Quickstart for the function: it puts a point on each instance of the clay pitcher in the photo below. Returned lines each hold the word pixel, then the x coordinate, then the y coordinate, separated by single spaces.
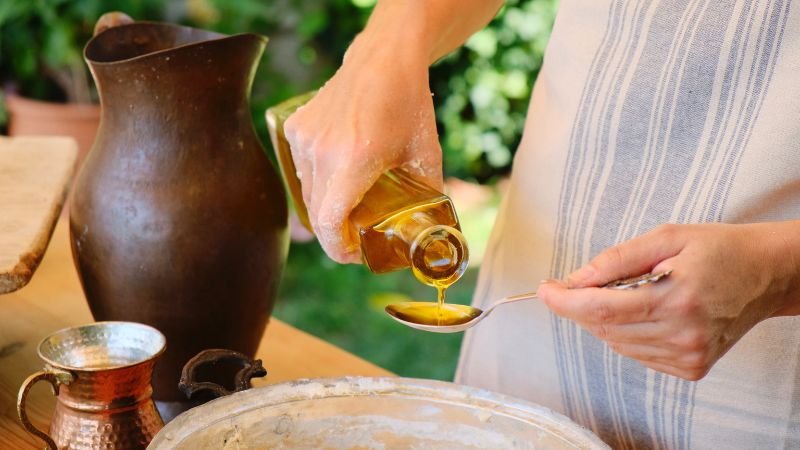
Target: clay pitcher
pixel 178 219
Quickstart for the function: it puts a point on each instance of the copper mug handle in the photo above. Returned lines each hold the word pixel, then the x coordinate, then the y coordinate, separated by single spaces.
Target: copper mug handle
pixel 251 368
pixel 56 378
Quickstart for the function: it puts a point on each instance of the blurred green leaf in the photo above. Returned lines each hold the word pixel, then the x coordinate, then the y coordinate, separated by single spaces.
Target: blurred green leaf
pixel 56 48
pixel 313 23
pixel 483 43
pixel 380 300
pixel 41 43
pixel 495 72
pixel 13 10
pixel 364 3
pixel 3 111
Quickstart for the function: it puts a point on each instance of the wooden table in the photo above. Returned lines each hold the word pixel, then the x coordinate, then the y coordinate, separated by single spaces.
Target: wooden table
pixel 54 300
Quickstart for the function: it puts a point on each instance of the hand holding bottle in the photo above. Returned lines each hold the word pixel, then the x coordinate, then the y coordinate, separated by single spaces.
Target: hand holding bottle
pixel 376 113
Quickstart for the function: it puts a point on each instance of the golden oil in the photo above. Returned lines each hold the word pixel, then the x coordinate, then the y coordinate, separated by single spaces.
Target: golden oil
pixel 400 221
pixel 432 313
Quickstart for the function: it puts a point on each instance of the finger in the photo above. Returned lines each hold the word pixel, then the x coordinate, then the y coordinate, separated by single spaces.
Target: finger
pixel 342 193
pixel 688 365
pixel 304 174
pixel 640 333
pixel 668 265
pixel 645 352
pixel 672 370
pixel 630 258
pixel 301 157
pixel 330 177
pixel 598 305
pixel 680 371
pixel 654 357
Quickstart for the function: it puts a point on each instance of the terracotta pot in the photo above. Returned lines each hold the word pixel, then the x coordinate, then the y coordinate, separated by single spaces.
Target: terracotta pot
pixel 34 117
pixel 178 218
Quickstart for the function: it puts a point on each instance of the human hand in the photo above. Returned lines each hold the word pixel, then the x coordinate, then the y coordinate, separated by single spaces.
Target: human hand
pixel 725 279
pixel 373 115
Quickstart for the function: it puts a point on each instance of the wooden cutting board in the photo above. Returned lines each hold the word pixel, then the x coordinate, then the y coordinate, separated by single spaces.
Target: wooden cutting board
pixel 35 175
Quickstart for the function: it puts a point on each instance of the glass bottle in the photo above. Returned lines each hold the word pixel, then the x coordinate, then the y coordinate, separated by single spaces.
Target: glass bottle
pixel 401 222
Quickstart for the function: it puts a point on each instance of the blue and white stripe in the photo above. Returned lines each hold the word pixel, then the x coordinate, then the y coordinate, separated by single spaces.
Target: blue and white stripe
pixel 666 112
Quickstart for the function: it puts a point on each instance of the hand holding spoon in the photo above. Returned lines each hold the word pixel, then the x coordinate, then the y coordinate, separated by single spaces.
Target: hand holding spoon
pixel 461 317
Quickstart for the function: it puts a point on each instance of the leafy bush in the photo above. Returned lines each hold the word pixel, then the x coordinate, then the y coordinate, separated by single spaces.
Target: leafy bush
pixel 481 91
pixel 41 44
pixel 484 89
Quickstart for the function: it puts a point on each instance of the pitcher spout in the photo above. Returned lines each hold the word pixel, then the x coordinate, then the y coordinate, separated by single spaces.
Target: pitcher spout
pixel 143 39
pixel 152 60
pixel 148 71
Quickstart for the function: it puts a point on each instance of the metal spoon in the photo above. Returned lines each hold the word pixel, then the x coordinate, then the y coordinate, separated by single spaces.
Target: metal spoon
pixel 474 315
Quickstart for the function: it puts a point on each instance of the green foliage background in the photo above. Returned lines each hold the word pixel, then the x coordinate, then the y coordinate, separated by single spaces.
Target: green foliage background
pixel 42 38
pixel 481 93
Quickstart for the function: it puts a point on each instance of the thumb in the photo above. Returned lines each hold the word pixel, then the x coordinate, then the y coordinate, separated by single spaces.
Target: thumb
pixel 630 258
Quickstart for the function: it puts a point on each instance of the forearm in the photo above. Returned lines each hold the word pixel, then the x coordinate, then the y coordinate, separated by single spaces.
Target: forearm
pixel 428 28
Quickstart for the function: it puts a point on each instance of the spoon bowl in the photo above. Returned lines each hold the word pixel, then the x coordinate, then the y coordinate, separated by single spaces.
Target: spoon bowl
pixel 429 313
pixel 426 316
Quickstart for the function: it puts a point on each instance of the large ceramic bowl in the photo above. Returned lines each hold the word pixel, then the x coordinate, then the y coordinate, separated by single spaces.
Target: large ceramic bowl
pixel 372 413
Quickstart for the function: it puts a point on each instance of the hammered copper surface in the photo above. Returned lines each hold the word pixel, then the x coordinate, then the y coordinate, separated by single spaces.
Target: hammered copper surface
pixel 105 401
pixel 178 218
pixel 123 429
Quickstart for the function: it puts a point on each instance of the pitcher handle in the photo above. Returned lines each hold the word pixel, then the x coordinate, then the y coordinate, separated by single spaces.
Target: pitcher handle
pixel 110 20
pixel 251 368
pixel 56 378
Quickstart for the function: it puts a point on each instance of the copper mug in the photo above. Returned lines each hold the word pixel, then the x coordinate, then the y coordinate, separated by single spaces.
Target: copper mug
pixel 101 375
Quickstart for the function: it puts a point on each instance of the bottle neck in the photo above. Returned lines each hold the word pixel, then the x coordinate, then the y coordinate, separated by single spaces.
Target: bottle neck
pixel 437 253
pixel 408 229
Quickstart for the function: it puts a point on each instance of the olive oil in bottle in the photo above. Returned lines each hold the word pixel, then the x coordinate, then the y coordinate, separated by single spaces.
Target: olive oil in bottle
pixel 400 221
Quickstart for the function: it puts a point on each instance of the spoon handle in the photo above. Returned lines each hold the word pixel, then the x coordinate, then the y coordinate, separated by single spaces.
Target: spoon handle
pixel 519 297
pixel 505 300
pixel 627 283
pixel 632 283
